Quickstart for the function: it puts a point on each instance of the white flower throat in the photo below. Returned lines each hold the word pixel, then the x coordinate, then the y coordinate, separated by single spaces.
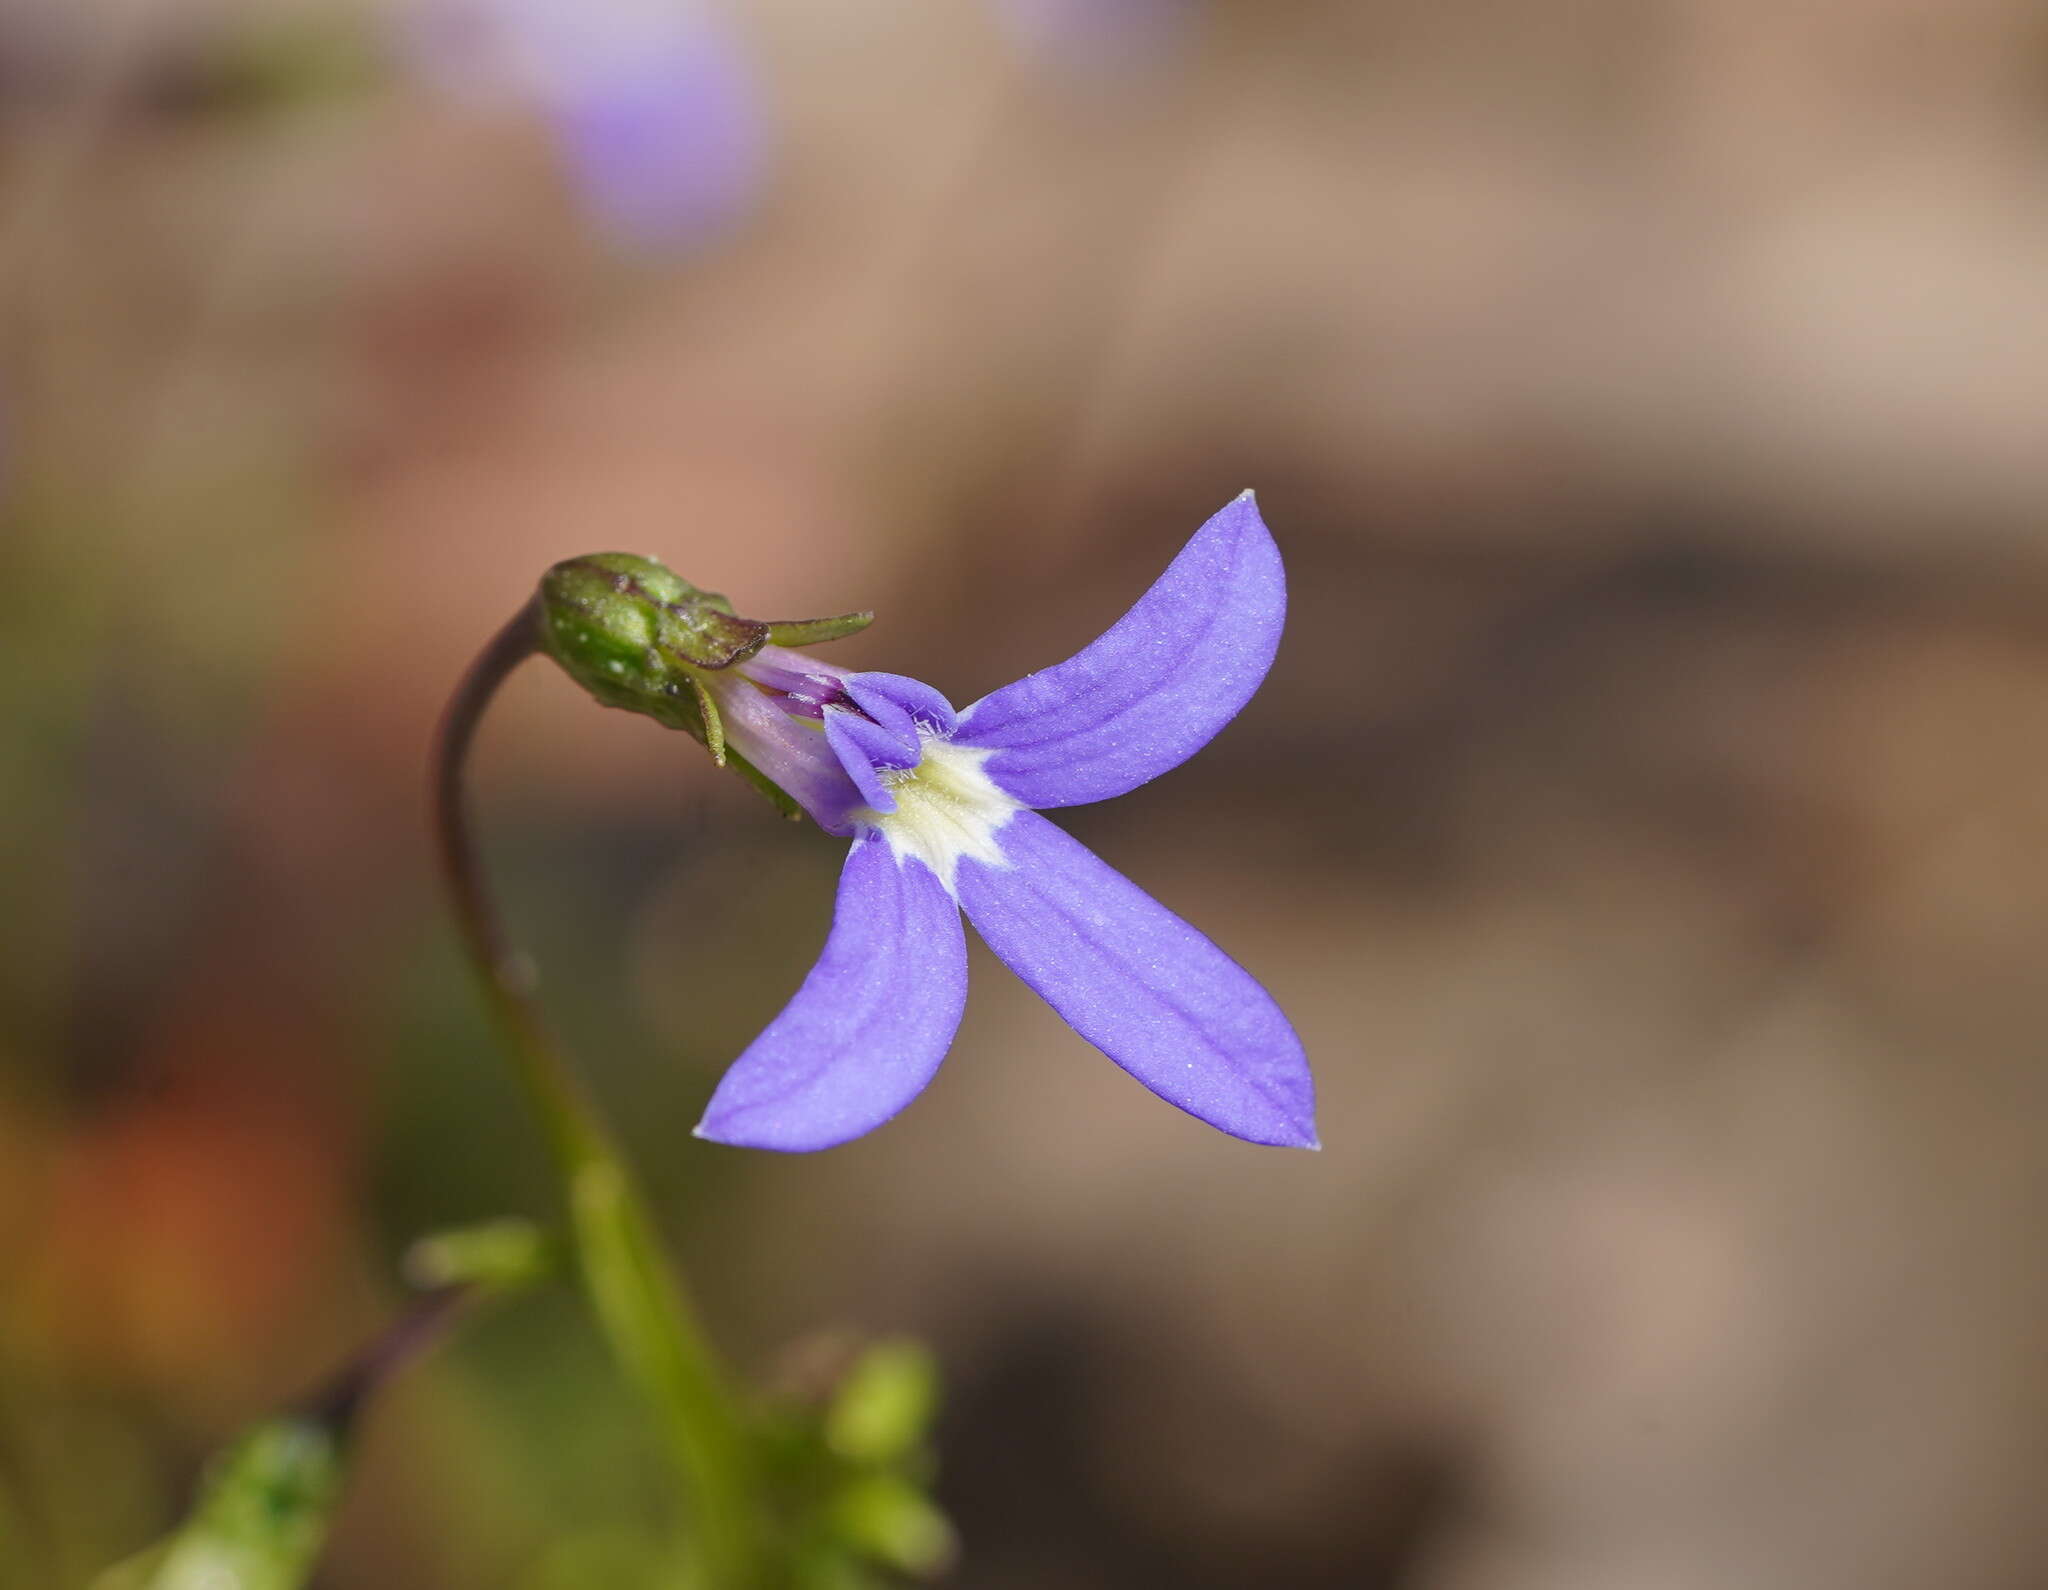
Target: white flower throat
pixel 946 808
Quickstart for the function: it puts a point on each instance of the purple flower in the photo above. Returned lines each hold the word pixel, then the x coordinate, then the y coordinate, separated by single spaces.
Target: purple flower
pixel 1096 36
pixel 941 807
pixel 653 107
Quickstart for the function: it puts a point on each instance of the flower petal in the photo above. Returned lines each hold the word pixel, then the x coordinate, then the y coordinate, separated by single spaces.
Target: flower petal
pixel 880 695
pixel 792 753
pixel 1156 687
pixel 1140 984
pixel 655 107
pixel 870 1024
pixel 864 747
pixel 668 151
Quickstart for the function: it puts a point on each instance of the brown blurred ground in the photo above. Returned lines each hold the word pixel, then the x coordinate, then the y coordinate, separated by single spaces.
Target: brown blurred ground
pixel 1644 823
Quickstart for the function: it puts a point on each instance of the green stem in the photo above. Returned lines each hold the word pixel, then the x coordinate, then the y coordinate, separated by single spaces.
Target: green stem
pixel 639 1301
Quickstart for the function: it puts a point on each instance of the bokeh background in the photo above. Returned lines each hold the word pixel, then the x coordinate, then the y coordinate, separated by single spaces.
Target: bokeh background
pixel 1644 822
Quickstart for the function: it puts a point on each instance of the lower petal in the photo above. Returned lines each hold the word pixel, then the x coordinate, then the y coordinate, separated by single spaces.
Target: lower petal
pixel 1140 984
pixel 868 1028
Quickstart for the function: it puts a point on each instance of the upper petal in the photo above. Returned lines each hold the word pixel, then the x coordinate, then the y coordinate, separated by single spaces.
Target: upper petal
pixel 1140 984
pixel 864 748
pixel 869 1026
pixel 880 695
pixel 1156 687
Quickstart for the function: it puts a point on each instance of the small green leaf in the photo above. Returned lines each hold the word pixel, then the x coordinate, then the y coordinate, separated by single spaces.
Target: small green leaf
pixel 260 1520
pixel 495 1256
pixel 264 1505
pixel 886 1517
pixel 883 1409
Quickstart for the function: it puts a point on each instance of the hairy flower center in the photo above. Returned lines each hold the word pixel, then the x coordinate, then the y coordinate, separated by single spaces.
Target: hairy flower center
pixel 946 808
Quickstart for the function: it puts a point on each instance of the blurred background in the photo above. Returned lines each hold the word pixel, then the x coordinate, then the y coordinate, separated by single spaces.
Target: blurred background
pixel 1643 824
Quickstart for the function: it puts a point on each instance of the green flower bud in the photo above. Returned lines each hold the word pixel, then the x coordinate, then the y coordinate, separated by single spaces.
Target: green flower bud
pixel 639 637
pixel 627 629
pixel 882 1412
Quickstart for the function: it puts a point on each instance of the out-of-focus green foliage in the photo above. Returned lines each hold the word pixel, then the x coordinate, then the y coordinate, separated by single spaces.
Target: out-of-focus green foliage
pixel 260 1520
pixel 497 1255
pixel 661 1349
pixel 854 1474
pixel 265 1505
pixel 883 1410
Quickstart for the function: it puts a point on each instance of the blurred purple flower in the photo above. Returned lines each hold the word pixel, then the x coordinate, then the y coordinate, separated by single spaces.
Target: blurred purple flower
pixel 1109 36
pixel 653 106
pixel 940 808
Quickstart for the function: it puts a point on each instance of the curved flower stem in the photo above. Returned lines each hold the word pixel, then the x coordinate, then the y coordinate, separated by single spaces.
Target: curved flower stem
pixel 640 1304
